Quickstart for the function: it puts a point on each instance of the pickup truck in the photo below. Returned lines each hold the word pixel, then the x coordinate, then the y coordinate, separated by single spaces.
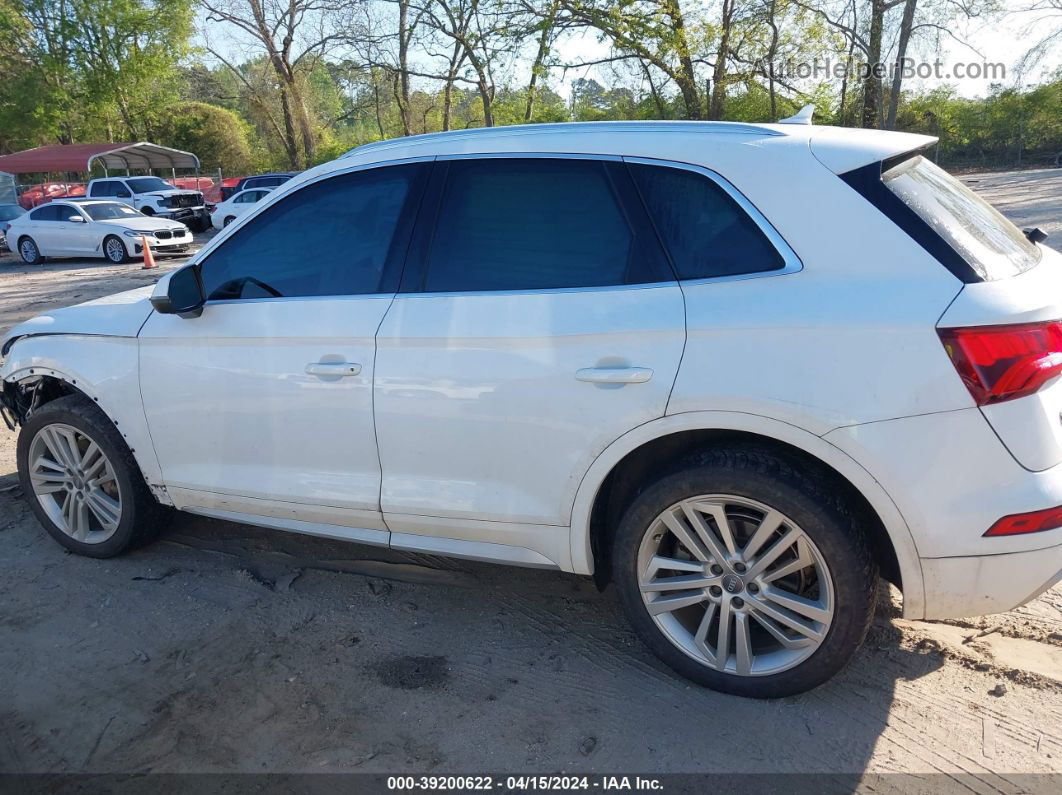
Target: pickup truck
pixel 154 196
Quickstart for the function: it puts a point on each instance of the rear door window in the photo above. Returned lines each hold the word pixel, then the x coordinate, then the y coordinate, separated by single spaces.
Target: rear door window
pixel 705 231
pixel 103 189
pixel 979 233
pixel 49 213
pixel 537 223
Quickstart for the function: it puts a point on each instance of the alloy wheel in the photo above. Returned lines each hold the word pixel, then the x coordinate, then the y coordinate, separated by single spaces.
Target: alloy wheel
pixel 115 250
pixel 75 484
pixel 735 584
pixel 28 250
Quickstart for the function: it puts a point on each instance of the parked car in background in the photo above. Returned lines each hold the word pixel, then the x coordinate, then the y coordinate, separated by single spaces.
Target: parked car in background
pixel 32 195
pixel 88 228
pixel 738 398
pixel 154 196
pixel 8 213
pixel 232 208
pixel 258 181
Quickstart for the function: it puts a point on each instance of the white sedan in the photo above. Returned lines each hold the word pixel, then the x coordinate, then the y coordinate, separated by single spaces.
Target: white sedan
pixel 235 206
pixel 105 229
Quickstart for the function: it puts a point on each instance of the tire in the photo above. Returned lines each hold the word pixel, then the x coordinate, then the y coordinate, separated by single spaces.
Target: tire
pixel 148 211
pixel 45 438
pixel 114 250
pixel 832 582
pixel 27 249
pixel 228 221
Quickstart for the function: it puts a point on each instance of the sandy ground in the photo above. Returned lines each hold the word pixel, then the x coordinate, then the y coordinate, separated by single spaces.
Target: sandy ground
pixel 227 648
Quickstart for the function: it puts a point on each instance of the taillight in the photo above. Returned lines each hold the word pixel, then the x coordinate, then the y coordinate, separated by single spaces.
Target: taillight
pixel 1033 522
pixel 1000 363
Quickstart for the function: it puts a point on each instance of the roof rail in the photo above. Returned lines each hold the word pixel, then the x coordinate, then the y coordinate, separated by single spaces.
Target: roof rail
pixel 716 127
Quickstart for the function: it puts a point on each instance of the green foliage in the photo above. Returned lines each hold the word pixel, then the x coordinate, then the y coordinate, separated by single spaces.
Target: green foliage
pixel 1008 127
pixel 218 136
pixel 77 70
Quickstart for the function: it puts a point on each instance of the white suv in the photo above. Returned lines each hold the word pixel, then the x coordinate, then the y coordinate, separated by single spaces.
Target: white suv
pixel 154 196
pixel 736 370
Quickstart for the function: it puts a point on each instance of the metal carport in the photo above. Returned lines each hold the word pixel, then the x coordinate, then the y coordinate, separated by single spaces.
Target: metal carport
pixel 71 158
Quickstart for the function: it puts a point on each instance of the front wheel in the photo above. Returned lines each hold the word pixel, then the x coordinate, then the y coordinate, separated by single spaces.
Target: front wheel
pixel 743 573
pixel 81 480
pixel 114 250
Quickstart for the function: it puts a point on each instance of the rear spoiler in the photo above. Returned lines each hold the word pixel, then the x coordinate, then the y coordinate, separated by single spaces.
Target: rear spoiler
pixel 842 150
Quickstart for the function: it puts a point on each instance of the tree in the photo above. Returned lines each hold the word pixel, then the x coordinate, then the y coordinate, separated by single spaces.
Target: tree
pixel 219 137
pixel 476 31
pixel 651 32
pixel 83 69
pixel 292 36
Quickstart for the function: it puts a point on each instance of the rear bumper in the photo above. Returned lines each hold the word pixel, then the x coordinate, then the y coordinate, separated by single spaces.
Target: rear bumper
pixel 957 587
pixel 951 479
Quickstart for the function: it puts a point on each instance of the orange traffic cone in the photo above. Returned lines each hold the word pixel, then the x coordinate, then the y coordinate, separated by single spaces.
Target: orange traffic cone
pixel 149 258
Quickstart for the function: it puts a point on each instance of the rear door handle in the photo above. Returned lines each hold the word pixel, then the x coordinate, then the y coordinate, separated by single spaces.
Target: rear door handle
pixel 614 375
pixel 332 369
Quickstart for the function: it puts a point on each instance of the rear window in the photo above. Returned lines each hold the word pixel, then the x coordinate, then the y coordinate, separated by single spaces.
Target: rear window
pixel 991 244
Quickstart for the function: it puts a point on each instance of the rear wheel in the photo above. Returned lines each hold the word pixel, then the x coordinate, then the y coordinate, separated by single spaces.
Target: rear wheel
pixel 27 249
pixel 81 479
pixel 114 250
pixel 743 572
pixel 228 221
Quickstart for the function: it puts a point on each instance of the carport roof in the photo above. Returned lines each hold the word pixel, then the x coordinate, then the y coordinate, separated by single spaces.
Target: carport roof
pixel 59 158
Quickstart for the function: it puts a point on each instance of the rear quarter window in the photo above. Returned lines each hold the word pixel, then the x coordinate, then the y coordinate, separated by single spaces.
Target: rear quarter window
pixel 705 231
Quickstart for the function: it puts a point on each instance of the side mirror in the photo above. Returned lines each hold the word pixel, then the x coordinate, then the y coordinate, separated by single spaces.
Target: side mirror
pixel 123 194
pixel 181 293
pixel 77 219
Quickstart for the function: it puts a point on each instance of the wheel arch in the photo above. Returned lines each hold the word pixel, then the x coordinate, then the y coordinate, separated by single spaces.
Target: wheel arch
pixel 649 448
pixel 109 378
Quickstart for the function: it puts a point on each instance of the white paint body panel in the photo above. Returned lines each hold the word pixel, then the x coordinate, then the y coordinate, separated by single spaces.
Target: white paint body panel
pixel 493 448
pixel 233 411
pixel 105 369
pixel 1030 427
pixel 480 414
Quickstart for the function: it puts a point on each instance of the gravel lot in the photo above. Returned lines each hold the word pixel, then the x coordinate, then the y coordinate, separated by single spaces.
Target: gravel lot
pixel 228 648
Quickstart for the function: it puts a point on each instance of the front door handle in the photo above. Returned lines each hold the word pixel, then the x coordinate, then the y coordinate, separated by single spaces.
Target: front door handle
pixel 614 375
pixel 332 369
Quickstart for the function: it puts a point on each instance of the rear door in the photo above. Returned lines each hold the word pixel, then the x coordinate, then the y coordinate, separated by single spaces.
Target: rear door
pixel 538 322
pixel 43 227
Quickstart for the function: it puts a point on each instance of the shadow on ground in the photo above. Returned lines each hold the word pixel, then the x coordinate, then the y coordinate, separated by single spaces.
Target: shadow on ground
pixel 227 648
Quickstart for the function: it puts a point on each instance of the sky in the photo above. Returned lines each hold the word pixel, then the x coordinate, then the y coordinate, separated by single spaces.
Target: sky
pixel 995 41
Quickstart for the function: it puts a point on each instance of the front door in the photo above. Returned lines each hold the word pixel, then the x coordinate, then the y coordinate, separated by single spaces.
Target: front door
pixel 538 322
pixel 262 406
pixel 73 233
